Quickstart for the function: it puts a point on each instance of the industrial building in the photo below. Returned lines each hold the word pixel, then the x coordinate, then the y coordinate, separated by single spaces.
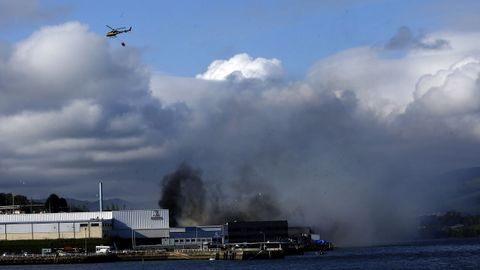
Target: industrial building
pixel 194 237
pixel 134 228
pixel 79 225
pixel 256 231
pixel 134 224
pixel 131 229
pixel 126 224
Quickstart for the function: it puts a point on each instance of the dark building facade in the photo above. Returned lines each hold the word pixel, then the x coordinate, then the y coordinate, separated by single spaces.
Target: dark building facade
pixel 194 237
pixel 256 231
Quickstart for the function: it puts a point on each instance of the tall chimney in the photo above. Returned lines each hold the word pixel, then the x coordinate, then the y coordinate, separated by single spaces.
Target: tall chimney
pixel 100 196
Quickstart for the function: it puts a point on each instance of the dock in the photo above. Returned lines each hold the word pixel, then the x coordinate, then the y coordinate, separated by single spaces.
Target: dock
pixel 252 251
pixel 232 253
pixel 70 259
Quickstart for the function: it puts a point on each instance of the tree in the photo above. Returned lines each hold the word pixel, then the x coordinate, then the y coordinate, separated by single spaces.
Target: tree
pixel 55 204
pixel 9 199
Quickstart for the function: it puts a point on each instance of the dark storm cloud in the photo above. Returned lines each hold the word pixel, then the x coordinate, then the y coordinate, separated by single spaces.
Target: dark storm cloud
pixel 79 117
pixel 401 40
pixel 405 38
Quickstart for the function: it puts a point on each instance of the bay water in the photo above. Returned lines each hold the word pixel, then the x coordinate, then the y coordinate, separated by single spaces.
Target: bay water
pixel 432 255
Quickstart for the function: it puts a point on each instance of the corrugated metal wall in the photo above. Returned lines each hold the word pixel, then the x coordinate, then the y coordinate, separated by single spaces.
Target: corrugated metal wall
pixel 134 219
pixel 42 228
pixel 19 228
pixel 54 217
pixel 144 223
pixel 140 219
pixel 157 233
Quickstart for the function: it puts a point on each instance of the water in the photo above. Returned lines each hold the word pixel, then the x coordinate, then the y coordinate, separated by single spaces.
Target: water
pixel 449 254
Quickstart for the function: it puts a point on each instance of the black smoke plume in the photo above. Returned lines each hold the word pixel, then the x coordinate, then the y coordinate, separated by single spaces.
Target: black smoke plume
pixel 192 201
pixel 183 193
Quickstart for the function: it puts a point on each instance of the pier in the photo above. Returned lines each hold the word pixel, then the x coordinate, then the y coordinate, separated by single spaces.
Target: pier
pixel 252 251
pixel 233 252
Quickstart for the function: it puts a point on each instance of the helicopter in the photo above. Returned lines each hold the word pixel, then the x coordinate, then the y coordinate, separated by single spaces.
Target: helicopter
pixel 115 31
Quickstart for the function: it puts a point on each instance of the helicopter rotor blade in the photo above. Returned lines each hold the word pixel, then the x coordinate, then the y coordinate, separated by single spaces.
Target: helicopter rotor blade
pixel 110 27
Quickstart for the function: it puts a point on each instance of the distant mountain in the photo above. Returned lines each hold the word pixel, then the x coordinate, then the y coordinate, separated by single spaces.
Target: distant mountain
pixel 108 204
pixel 459 190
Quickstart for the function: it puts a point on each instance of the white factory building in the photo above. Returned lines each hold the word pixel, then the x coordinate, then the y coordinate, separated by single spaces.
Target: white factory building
pixel 79 225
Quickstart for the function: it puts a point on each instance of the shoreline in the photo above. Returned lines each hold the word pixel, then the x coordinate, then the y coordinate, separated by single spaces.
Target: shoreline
pixel 150 255
pixel 102 258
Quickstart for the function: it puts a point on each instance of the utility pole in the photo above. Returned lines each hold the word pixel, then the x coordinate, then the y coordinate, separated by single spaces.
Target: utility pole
pixel 263 236
pixel 85 241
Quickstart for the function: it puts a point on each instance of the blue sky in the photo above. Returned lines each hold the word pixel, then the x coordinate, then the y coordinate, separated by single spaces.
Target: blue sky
pixel 183 37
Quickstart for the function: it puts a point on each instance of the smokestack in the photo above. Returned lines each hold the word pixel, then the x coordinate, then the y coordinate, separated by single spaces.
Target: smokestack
pixel 100 196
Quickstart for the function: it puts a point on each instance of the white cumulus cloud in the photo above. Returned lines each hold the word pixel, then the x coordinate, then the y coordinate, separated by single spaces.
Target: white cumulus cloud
pixel 242 66
pixel 451 91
